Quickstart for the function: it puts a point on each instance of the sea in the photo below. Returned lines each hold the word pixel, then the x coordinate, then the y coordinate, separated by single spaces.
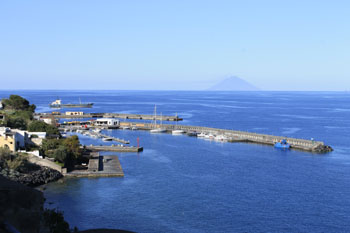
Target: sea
pixel 187 184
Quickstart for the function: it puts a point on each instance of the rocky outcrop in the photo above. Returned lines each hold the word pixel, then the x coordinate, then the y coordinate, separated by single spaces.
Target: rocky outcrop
pixel 41 176
pixel 322 149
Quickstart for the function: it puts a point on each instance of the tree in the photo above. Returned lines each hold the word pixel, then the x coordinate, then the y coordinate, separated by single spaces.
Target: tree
pixel 73 146
pixel 16 102
pixel 40 126
pixel 16 122
pixel 61 154
pixel 49 145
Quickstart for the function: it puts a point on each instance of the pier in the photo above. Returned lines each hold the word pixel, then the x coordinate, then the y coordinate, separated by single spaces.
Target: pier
pixel 100 166
pixel 241 136
pixel 109 115
pixel 113 148
pixel 232 135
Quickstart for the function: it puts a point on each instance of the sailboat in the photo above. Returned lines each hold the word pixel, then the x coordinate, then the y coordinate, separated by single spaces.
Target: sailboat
pixel 177 131
pixel 155 129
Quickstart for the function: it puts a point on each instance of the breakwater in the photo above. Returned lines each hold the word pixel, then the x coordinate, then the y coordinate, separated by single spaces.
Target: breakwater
pixel 241 136
pixel 100 166
pixel 113 148
pixel 109 115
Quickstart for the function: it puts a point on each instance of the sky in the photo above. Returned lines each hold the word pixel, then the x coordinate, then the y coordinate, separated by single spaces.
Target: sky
pixel 174 45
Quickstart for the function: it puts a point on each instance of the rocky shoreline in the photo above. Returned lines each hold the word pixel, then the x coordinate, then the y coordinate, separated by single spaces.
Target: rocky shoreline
pixel 35 178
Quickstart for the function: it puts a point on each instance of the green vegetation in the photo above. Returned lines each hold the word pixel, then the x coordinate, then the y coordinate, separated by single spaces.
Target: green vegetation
pixel 18 112
pixel 66 151
pixel 40 126
pixel 16 162
pixel 19 115
pixel 18 103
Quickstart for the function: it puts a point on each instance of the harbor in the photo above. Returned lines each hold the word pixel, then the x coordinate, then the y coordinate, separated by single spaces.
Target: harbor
pixel 82 115
pixel 224 135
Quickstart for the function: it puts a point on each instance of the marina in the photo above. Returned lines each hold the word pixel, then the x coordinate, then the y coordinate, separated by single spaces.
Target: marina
pixel 225 135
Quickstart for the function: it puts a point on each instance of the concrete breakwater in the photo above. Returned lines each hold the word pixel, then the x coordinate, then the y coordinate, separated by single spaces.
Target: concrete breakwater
pixel 241 136
pixel 109 115
pixel 113 148
pixel 100 166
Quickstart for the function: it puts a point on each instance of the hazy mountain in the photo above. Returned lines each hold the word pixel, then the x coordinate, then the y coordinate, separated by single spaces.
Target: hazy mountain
pixel 233 84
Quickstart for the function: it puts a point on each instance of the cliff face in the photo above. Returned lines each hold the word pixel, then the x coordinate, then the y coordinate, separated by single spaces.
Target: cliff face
pixel 20 206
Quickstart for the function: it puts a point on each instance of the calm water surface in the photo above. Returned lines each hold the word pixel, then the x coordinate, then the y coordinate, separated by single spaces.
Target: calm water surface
pixel 185 184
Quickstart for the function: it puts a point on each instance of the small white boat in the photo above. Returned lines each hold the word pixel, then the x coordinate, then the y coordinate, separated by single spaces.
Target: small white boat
pixel 209 136
pixel 154 125
pixel 178 131
pixel 134 128
pixel 221 138
pixel 201 135
pixel 158 130
pixel 126 127
pixel 107 139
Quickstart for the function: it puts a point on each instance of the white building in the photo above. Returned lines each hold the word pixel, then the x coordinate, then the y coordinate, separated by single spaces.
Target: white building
pixel 39 134
pixel 107 122
pixel 16 139
pixel 1 106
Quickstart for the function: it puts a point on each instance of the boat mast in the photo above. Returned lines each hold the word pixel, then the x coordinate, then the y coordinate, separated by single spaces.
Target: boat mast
pixel 155 116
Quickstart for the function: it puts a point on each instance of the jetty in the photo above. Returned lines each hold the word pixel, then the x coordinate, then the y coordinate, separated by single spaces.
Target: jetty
pixel 235 136
pixel 113 148
pixel 100 166
pixel 241 136
pixel 59 115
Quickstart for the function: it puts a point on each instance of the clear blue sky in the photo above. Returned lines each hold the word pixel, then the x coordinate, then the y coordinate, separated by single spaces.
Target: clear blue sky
pixel 139 44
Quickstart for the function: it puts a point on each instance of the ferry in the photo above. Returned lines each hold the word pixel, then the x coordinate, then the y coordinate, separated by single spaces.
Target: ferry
pixel 282 144
pixel 58 104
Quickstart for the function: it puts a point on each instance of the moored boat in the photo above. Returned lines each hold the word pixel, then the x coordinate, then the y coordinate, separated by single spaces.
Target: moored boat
pixel 178 131
pixel 283 144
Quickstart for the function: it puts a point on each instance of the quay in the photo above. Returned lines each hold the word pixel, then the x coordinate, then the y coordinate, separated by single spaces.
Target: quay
pixel 113 148
pixel 59 115
pixel 241 136
pixel 100 166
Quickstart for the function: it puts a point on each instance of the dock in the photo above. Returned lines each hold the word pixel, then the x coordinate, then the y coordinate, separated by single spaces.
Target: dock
pixel 109 115
pixel 241 136
pixel 113 148
pixel 100 166
pixel 237 136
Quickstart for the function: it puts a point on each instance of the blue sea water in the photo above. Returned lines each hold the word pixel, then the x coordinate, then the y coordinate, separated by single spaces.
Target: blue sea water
pixel 186 184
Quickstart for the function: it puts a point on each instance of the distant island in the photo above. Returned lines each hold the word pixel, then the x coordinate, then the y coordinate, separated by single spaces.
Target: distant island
pixel 234 83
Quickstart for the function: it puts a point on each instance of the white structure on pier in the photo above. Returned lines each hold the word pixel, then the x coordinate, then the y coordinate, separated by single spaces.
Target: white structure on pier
pixel 107 122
